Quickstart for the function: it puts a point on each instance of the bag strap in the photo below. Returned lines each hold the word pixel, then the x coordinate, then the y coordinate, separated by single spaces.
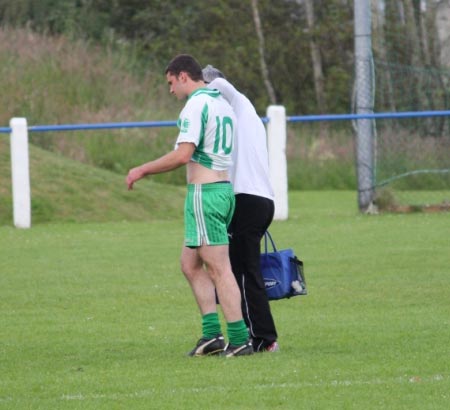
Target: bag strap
pixel 268 235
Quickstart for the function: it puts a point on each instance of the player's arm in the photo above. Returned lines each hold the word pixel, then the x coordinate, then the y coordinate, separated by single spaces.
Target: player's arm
pixel 168 162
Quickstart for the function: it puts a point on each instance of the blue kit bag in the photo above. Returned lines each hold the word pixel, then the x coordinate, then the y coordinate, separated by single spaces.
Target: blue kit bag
pixel 282 272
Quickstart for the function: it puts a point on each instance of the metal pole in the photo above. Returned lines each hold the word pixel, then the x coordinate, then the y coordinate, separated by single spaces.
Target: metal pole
pixel 364 104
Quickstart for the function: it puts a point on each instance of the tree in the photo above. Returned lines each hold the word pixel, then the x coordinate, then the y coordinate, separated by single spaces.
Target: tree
pixel 262 59
pixel 316 58
pixel 379 46
pixel 275 65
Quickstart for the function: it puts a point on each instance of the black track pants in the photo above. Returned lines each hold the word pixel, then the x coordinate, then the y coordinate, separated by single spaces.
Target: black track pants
pixel 252 216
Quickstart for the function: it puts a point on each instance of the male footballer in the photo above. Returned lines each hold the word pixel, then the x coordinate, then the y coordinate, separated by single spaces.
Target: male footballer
pixel 204 145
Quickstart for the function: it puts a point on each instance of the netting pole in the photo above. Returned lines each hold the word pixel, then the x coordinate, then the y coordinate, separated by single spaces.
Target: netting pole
pixel 20 173
pixel 364 104
pixel 276 145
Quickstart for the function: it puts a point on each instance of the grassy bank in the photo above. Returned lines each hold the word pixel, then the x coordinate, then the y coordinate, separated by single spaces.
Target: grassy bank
pixel 64 190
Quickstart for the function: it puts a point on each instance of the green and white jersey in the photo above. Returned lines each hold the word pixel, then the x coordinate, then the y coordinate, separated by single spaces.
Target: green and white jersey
pixel 208 122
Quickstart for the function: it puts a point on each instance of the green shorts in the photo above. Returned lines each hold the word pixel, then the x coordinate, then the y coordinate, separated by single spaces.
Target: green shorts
pixel 208 210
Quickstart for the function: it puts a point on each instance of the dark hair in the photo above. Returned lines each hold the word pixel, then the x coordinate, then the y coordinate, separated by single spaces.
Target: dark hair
pixel 186 63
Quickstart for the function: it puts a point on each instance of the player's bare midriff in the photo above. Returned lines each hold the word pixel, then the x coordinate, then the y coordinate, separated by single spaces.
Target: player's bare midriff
pixel 198 174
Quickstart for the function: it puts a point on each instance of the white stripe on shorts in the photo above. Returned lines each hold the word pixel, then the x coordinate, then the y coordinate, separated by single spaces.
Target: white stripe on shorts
pixel 199 217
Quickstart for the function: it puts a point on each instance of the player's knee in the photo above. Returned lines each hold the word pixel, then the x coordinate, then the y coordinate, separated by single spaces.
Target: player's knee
pixel 187 269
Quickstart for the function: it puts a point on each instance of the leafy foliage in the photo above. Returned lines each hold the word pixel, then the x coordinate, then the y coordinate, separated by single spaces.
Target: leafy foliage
pixel 217 32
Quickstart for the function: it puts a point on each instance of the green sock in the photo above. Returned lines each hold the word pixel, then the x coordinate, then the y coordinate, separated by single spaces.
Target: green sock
pixel 237 332
pixel 210 325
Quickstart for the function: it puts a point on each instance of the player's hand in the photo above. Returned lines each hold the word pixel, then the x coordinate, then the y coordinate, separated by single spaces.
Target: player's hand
pixel 133 175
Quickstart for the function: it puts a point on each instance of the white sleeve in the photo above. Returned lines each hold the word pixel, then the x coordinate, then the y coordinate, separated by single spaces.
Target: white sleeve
pixel 228 91
pixel 189 123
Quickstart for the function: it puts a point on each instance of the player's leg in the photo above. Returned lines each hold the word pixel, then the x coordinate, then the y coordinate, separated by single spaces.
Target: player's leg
pixel 191 263
pixel 212 341
pixel 215 205
pixel 216 258
pixel 199 280
pixel 219 270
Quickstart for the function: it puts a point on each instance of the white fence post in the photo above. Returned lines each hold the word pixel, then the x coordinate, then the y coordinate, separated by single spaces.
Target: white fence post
pixel 276 144
pixel 20 173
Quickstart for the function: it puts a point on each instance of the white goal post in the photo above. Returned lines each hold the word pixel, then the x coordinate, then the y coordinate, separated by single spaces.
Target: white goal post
pixel 20 173
pixel 276 144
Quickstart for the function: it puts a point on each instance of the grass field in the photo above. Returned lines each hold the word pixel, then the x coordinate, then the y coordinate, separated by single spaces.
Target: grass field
pixel 98 316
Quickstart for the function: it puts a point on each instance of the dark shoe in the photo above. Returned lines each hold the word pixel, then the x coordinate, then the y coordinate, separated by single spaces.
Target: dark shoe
pixel 209 347
pixel 274 347
pixel 243 350
pixel 263 345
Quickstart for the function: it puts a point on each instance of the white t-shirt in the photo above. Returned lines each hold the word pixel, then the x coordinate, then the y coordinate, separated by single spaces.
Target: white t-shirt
pixel 250 170
pixel 209 122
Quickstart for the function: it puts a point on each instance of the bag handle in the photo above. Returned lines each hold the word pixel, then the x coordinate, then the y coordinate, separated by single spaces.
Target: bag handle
pixel 268 235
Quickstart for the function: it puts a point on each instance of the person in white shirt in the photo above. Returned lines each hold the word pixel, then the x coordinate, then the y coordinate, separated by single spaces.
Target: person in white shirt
pixel 253 213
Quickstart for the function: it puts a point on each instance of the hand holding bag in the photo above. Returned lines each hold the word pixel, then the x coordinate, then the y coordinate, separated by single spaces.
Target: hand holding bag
pixel 282 272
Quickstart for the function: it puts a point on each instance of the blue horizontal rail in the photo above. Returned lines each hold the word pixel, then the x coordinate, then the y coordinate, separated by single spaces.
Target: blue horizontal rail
pixel 368 116
pixel 106 125
pixel 297 118
pixel 74 127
